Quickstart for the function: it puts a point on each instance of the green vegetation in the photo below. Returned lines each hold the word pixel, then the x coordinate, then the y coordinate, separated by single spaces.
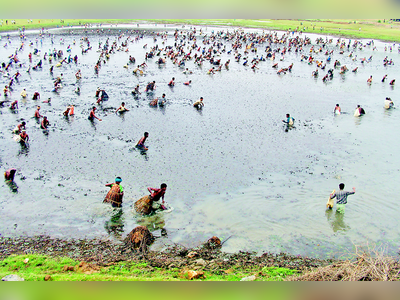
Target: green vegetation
pixel 55 23
pixel 369 29
pixel 35 267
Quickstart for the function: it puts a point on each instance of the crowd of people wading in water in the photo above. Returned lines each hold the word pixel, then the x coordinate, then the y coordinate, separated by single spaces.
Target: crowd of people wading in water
pixel 253 51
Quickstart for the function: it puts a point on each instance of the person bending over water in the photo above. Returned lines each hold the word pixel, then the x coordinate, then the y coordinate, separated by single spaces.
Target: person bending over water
pixel 172 82
pixel 9 174
pixel 388 103
pixel 141 142
pixel 19 128
pixel 150 86
pixel 115 194
pixel 359 111
pixel 92 115
pixel 14 105
pixel 45 123
pixel 144 204
pixel 199 104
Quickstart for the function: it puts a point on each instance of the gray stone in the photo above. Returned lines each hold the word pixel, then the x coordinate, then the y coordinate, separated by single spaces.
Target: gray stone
pixel 249 278
pixel 200 262
pixel 12 277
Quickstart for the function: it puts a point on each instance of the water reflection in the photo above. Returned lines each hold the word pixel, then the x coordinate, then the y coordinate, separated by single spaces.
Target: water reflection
pixel 115 226
pixel 357 120
pixel 153 222
pixel 93 124
pixel 336 220
pixel 24 149
pixel 69 119
pixel 13 186
pixel 121 115
pixel 200 111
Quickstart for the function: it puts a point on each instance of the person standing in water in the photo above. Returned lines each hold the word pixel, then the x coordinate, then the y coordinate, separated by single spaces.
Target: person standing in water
pixel 341 197
pixel 337 110
pixel 24 137
pixel 359 111
pixel 37 113
pixel 122 108
pixel 115 194
pixel 289 120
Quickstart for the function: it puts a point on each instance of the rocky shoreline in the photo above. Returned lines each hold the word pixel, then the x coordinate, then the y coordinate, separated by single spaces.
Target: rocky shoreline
pixel 106 252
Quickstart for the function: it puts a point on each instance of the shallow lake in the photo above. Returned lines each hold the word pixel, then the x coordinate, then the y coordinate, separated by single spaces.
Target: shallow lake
pixel 232 170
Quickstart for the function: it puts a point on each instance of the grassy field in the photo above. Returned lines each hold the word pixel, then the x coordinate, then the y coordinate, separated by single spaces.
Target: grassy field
pixel 370 29
pixel 35 267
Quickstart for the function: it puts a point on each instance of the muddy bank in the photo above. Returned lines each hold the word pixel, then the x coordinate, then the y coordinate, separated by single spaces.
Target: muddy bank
pixel 106 252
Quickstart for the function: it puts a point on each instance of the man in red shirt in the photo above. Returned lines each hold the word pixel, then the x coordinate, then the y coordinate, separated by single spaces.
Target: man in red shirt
pixel 157 194
pixel 92 116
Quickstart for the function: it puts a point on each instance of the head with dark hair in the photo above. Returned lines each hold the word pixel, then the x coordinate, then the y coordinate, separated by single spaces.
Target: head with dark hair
pixel 341 186
pixel 146 134
pixel 163 185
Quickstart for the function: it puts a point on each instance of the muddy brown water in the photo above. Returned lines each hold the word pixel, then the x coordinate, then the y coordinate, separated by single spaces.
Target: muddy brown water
pixel 231 169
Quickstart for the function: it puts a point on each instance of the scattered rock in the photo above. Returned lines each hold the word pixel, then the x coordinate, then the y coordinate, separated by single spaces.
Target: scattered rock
pixel 201 262
pixel 192 254
pixel 229 271
pixel 47 278
pixel 86 268
pixel 195 274
pixel 68 268
pixel 12 277
pixel 249 278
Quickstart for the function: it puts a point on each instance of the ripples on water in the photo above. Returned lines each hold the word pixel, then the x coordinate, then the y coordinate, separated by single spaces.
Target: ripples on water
pixel 231 169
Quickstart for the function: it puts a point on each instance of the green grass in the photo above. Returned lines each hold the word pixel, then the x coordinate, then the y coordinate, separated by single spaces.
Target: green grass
pixel 39 266
pixel 52 23
pixel 370 28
